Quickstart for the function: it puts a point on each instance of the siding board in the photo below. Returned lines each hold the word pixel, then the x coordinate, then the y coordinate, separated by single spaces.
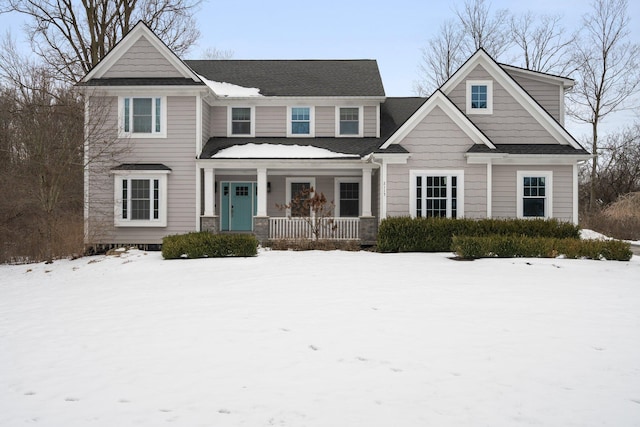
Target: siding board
pixel 142 60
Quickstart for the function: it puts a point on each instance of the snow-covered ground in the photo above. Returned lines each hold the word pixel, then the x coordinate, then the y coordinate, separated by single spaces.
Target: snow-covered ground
pixel 320 339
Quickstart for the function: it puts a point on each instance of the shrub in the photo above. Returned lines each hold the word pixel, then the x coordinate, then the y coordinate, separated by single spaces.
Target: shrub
pixel 313 245
pixel 539 247
pixel 404 234
pixel 203 244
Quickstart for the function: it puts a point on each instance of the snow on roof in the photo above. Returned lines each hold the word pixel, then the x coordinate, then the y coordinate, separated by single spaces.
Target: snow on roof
pixel 229 89
pixel 277 151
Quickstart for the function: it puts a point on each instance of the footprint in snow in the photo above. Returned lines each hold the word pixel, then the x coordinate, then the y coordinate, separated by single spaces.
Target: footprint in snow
pixel 313 347
pixel 224 411
pixel 30 393
pixel 124 401
pixel 165 410
pixel 71 399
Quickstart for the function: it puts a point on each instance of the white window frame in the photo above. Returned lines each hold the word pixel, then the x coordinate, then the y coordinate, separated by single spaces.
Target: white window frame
pixel 459 174
pixel 161 176
pixel 548 190
pixel 153 133
pixel 230 122
pixel 489 85
pixel 360 121
pixel 312 126
pixel 289 181
pixel 336 193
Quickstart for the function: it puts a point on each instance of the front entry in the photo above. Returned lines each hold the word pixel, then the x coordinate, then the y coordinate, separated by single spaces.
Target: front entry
pixel 238 206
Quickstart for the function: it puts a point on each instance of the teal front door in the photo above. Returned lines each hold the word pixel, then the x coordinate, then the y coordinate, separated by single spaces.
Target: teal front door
pixel 238 206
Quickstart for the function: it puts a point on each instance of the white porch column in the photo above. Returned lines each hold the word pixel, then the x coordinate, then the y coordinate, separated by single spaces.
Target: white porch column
pixel 262 192
pixel 366 191
pixel 209 183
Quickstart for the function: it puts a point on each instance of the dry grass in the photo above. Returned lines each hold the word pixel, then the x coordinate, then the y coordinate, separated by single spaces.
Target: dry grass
pixel 311 245
pixel 620 219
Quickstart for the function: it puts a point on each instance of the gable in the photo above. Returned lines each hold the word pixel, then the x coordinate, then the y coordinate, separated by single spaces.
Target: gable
pixel 483 65
pixel 142 59
pixel 140 55
pixel 510 122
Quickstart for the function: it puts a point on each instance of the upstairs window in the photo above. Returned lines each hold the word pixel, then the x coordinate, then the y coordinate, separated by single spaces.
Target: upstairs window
pixel 479 97
pixel 143 117
pixel 349 121
pixel 300 121
pixel 241 121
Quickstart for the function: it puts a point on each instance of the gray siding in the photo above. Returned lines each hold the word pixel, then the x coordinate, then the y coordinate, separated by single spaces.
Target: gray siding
pixel 271 121
pixel 218 121
pixel 547 94
pixel 142 60
pixel 505 190
pixel 176 151
pixel 437 143
pixel 206 122
pixel 510 123
pixel 370 121
pixel 325 121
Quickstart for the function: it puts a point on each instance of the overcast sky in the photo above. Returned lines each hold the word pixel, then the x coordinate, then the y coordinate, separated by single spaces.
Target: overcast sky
pixel 392 32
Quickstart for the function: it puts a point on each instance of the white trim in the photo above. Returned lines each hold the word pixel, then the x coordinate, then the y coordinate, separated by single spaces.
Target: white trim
pixel 525 159
pixel 548 187
pixel 519 94
pixel 161 176
pixel 230 123
pixel 539 76
pixel 439 99
pixel 292 179
pixel 138 31
pixel 489 189
pixel 576 217
pixel 378 121
pixel 153 133
pixel 312 122
pixel 489 108
pixel 198 198
pixel 360 121
pixel 198 124
pixel 561 106
pixel 458 173
pixel 209 191
pixel 262 196
pixel 336 192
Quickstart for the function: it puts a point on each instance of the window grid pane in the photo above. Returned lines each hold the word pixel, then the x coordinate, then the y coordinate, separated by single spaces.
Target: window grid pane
pixel 126 114
pixel 478 96
pixel 157 114
pixel 241 121
pixel 299 193
pixel 349 199
pixel 140 199
pixel 349 121
pixel 142 115
pixel 534 190
pixel 300 120
pixel 436 196
pixel 156 199
pixel 125 197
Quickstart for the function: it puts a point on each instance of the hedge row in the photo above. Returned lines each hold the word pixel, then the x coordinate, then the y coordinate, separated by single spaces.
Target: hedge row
pixel 539 247
pixel 404 234
pixel 206 245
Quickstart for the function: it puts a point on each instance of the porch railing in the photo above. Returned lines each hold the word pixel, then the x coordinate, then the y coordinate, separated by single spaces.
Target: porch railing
pixel 299 228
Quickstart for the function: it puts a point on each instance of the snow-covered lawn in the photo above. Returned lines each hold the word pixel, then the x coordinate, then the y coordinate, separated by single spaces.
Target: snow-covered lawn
pixel 320 339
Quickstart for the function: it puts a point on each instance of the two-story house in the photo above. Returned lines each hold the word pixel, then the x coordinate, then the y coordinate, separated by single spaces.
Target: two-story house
pixel 219 144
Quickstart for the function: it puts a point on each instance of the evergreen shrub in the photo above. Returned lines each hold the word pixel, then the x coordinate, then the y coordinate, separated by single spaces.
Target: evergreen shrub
pixel 203 244
pixel 404 234
pixel 510 246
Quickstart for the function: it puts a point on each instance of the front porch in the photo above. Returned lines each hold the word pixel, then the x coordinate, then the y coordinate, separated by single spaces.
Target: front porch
pixel 238 198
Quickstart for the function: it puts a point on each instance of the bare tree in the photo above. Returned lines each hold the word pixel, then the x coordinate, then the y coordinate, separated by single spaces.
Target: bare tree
pixel 73 36
pixel 441 58
pixel 215 53
pixel 542 41
pixel 484 29
pixel 607 71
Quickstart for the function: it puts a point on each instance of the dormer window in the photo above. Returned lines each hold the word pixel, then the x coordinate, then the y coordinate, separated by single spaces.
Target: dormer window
pixel 349 121
pixel 479 97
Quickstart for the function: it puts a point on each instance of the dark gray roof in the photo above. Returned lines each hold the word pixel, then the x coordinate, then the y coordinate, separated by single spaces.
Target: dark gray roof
pixel 144 81
pixel 141 167
pixel 296 77
pixel 527 149
pixel 393 113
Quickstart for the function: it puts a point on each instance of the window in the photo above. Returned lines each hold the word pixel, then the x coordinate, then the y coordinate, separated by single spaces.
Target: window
pixel 347 197
pixel 141 200
pixel 297 192
pixel 301 121
pixel 534 194
pixel 437 194
pixel 349 121
pixel 479 97
pixel 143 117
pixel 241 122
